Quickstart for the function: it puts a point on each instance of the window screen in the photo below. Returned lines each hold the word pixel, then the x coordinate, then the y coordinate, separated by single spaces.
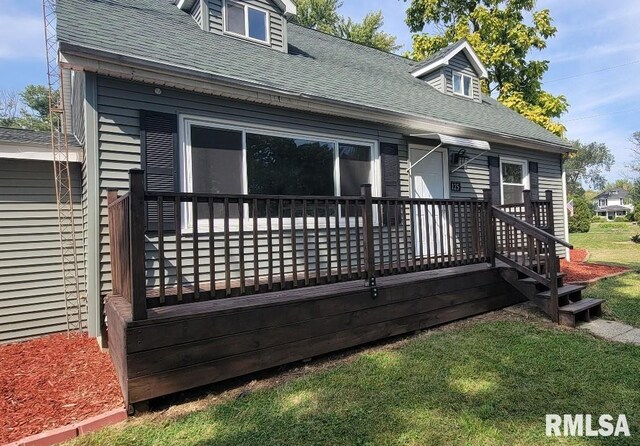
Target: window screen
pixel 235 18
pixel 355 168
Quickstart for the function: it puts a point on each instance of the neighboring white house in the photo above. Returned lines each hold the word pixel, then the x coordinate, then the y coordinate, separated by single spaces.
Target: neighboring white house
pixel 613 203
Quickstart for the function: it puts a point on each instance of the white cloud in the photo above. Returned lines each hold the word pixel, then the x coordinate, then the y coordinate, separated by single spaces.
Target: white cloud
pixel 21 37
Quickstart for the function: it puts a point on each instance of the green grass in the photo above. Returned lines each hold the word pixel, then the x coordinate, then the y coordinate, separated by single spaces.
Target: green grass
pixel 610 243
pixel 488 383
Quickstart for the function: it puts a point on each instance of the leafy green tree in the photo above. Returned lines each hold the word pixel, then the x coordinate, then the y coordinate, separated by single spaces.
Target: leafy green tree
pixel 635 140
pixel 580 221
pixel 586 166
pixel 28 109
pixel 323 15
pixel 503 33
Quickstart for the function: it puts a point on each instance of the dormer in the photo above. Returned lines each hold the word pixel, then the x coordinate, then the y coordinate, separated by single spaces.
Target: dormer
pixel 455 70
pixel 262 22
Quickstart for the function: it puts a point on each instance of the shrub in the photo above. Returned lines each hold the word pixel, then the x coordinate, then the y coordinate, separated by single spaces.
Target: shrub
pixel 630 217
pixel 597 219
pixel 635 238
pixel 581 219
pixel 620 220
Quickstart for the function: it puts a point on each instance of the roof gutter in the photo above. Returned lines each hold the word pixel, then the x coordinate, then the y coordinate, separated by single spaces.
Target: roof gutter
pixel 186 78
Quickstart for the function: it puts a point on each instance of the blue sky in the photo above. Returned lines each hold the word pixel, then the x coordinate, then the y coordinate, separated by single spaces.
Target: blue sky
pixel 593 38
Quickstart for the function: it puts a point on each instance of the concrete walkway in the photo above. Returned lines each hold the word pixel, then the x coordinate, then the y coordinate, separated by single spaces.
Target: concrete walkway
pixel 612 331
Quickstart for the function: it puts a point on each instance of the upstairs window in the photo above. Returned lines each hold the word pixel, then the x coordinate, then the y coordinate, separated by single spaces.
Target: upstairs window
pixel 247 21
pixel 462 84
pixel 602 202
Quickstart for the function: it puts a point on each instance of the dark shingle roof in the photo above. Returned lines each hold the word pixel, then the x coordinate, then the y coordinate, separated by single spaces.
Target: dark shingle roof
pixel 30 137
pixel 21 136
pixel 318 65
pixel 613 193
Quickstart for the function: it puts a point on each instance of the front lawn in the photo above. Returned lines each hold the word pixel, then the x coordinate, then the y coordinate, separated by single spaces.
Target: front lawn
pixel 610 243
pixel 482 383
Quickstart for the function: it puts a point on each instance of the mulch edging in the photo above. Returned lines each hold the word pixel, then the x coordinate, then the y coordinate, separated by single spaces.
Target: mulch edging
pixel 579 272
pixel 71 431
pixel 53 382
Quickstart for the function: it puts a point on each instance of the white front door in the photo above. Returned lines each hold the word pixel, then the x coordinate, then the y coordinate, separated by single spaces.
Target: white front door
pixel 429 177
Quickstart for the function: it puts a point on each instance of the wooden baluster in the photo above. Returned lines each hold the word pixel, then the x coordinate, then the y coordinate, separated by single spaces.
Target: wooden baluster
pixel 212 250
pixel 161 249
pixel 294 244
pixel 490 227
pixel 338 245
pixel 179 277
pixel 356 209
pixel 389 238
pixel 256 248
pixel 196 256
pixel 421 236
pixel 328 224
pixel 269 245
pixel 348 233
pixel 305 237
pixel 227 248
pixel 316 237
pixel 380 238
pixel 405 235
pixel 397 217
pixel 243 283
pixel 281 243
pixel 413 236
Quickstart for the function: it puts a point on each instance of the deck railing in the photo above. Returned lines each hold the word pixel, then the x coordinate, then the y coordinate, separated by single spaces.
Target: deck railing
pixel 169 248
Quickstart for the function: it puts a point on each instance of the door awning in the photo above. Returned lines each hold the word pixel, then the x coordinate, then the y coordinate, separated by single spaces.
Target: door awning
pixel 452 141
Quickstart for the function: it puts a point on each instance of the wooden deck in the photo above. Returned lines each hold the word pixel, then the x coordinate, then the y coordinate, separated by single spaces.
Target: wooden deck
pixel 184 346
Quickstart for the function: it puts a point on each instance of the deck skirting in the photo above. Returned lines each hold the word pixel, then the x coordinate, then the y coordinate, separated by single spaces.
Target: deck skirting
pixel 186 346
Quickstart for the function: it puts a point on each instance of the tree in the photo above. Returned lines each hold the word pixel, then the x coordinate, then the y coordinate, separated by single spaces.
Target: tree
pixel 586 165
pixel 503 33
pixel 323 16
pixel 28 109
pixel 580 221
pixel 635 140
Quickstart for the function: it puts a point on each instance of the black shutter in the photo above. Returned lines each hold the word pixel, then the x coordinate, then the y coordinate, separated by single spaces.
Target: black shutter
pixel 159 150
pixel 390 178
pixel 534 185
pixel 494 179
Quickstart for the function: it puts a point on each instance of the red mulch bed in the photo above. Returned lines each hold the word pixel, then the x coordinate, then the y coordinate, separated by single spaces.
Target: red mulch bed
pixel 53 381
pixel 577 270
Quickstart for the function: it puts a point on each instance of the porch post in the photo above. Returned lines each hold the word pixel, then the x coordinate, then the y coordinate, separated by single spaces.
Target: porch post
pixel 490 228
pixel 549 199
pixel 528 217
pixel 136 244
pixel 367 217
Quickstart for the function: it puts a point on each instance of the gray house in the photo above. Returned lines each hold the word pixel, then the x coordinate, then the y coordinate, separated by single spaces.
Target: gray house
pixel 613 203
pixel 232 160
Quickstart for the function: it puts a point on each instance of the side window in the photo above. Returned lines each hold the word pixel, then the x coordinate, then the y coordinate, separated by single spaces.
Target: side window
pixel 462 84
pixel 247 21
pixel 514 174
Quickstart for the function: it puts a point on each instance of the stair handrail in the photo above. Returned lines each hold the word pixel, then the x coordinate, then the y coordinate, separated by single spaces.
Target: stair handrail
pixel 550 239
pixel 528 228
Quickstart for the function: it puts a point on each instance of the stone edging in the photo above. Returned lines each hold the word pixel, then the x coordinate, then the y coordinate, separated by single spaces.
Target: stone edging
pixel 71 431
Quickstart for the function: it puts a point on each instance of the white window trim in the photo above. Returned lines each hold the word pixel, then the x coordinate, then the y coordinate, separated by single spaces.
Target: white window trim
pixel 185 123
pixel 246 36
pixel 462 77
pixel 525 174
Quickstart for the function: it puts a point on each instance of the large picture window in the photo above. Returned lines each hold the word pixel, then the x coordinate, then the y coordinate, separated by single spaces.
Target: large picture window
pixel 221 159
pixel 514 180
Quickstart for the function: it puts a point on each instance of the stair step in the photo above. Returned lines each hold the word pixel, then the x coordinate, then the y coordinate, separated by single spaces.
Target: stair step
pixel 532 280
pixel 562 291
pixel 581 305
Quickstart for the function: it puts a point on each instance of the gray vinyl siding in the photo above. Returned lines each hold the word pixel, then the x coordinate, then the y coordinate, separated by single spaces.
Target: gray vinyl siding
pixel 31 287
pixel 277 23
pixel 475 177
pixel 435 79
pixel 460 63
pixel 77 106
pixel 119 104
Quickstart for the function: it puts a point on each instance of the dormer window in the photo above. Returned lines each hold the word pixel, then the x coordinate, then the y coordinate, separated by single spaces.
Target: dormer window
pixel 246 21
pixel 462 84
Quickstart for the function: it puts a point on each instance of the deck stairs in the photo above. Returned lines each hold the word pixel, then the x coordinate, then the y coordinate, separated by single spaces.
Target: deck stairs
pixel 531 266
